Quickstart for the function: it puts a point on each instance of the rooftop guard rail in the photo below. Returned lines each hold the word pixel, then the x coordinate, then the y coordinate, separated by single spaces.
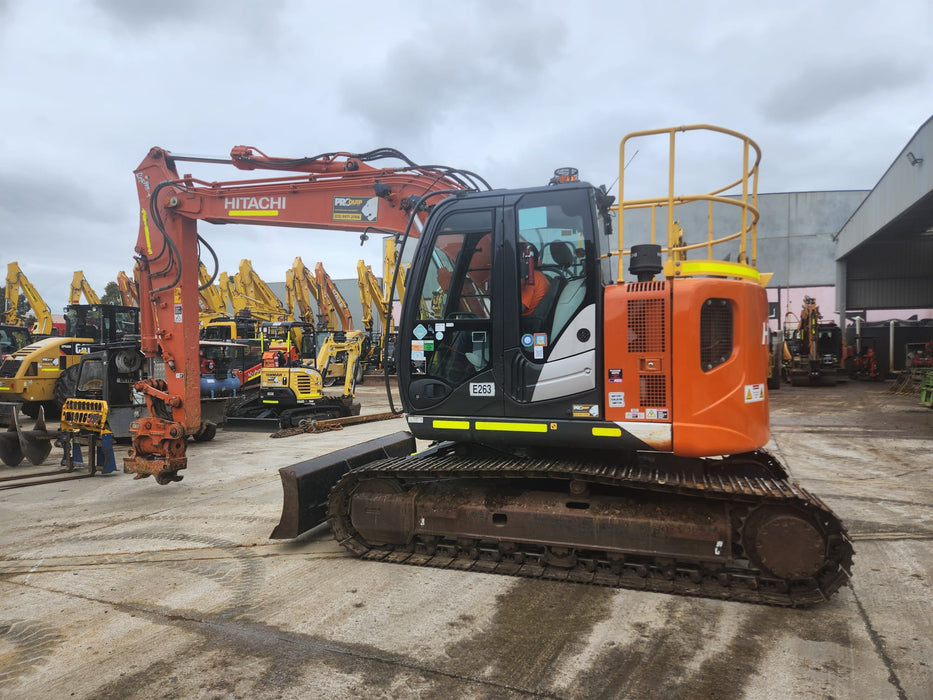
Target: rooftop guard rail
pixel 677 247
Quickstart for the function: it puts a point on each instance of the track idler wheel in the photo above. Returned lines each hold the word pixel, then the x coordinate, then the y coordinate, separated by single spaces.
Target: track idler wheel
pixel 786 543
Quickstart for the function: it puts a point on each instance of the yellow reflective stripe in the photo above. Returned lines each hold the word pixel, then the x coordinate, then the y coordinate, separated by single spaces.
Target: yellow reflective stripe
pixel 719 268
pixel 268 401
pixel 50 369
pixel 146 229
pixel 607 432
pixel 451 424
pixel 513 427
pixel 5 388
pixel 253 212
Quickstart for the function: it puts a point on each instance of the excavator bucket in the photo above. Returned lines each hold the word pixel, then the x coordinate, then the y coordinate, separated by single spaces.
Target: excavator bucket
pixel 306 486
pixel 16 443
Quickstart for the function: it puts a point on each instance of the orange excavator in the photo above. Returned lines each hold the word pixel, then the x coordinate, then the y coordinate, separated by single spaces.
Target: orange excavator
pixel 612 434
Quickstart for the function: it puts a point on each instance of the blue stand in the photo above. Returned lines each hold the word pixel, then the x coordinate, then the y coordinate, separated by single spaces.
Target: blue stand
pixel 75 453
pixel 105 456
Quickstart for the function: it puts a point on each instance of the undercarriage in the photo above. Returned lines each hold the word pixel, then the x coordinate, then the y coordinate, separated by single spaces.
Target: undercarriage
pixel 251 412
pixel 735 528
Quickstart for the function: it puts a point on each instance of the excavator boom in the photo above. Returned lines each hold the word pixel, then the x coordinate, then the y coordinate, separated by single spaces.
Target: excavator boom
pixel 337 191
pixel 129 293
pixel 79 286
pixel 16 283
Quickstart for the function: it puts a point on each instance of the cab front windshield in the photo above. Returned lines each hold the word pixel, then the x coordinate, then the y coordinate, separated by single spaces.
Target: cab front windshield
pixel 83 322
pixel 12 339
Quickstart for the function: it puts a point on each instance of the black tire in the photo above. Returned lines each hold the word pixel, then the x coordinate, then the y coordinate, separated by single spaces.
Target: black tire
pixel 65 386
pixel 31 409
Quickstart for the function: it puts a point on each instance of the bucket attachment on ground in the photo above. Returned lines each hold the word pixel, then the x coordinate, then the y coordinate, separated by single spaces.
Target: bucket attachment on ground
pixel 306 486
pixel 84 421
pixel 17 444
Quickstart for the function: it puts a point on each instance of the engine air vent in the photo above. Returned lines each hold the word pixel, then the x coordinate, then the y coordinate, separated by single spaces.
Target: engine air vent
pixel 646 325
pixel 715 333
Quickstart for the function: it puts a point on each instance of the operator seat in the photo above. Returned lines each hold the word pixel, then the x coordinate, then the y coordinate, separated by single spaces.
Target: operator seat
pixel 543 317
pixel 563 256
pixel 573 291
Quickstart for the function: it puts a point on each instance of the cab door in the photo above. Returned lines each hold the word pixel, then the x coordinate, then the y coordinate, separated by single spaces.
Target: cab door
pixel 551 304
pixel 449 348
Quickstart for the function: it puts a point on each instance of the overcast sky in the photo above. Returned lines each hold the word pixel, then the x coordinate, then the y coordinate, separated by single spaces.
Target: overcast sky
pixel 831 91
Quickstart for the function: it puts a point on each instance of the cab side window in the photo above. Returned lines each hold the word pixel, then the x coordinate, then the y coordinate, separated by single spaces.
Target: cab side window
pixel 552 271
pixel 456 301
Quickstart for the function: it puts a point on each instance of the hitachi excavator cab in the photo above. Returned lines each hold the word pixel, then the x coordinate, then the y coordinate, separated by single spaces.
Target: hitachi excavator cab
pixel 467 347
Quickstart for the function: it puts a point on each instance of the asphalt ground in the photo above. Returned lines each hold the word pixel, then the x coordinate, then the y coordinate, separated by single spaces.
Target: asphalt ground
pixel 116 588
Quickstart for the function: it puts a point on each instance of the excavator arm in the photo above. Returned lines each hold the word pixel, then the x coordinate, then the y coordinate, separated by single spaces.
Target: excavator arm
pixel 260 299
pixel 337 191
pixel 363 271
pixel 304 287
pixel 334 302
pixel 211 300
pixel 371 294
pixel 16 283
pixel 79 286
pixel 128 288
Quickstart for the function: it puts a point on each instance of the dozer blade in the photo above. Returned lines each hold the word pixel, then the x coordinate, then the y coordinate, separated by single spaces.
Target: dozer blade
pixel 306 486
pixel 16 443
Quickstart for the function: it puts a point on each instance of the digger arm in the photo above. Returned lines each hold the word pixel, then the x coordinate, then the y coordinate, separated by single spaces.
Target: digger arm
pixel 335 299
pixel 336 191
pixel 128 289
pixel 363 272
pixel 79 286
pixel 304 287
pixel 16 282
pixel 212 301
pixel 262 301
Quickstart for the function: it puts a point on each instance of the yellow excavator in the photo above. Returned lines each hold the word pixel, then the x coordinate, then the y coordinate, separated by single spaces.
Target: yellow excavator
pixel 291 381
pixel 341 350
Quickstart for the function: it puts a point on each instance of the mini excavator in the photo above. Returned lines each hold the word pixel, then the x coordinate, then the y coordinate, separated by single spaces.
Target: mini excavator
pixel 608 432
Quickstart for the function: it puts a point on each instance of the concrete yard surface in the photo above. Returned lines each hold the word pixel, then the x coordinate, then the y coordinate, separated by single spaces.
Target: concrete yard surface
pixel 117 588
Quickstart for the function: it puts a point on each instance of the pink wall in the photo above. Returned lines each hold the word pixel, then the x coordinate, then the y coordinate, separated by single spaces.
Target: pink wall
pixel 792 301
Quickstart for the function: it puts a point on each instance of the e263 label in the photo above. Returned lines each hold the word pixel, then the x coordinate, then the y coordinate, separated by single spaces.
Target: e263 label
pixel 482 389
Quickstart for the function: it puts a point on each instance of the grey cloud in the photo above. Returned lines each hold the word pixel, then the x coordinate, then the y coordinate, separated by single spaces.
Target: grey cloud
pixel 453 68
pixel 820 89
pixel 49 200
pixel 243 16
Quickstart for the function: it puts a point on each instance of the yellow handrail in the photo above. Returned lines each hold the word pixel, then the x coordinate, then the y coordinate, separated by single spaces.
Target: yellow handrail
pixel 676 247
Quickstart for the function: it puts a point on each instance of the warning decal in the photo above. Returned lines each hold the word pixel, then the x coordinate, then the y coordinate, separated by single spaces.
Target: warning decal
pixel 754 392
